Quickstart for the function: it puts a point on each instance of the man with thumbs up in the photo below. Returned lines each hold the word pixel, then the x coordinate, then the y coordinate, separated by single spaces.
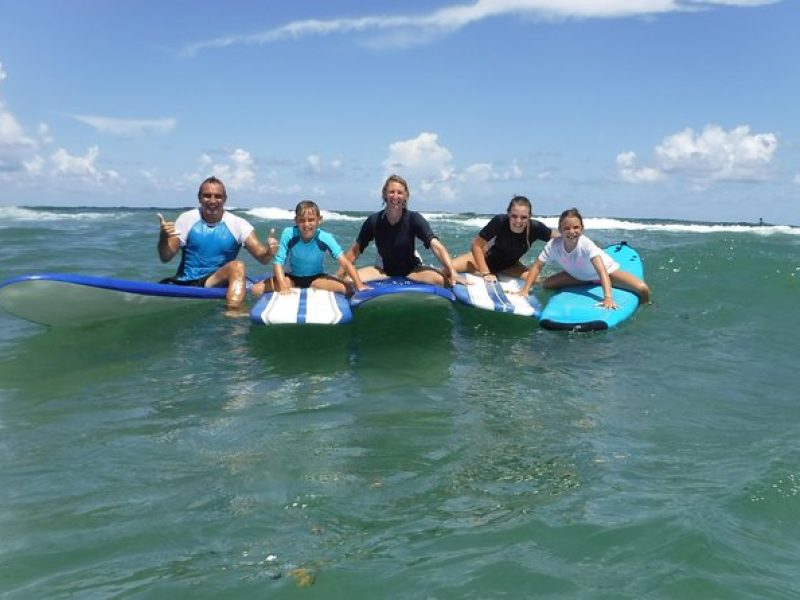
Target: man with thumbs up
pixel 209 240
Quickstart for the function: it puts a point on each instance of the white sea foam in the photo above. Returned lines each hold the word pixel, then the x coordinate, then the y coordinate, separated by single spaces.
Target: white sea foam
pixel 270 213
pixel 21 213
pixel 440 216
pixel 606 223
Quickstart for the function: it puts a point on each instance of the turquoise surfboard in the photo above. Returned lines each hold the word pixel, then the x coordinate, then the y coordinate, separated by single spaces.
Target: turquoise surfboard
pixel 576 308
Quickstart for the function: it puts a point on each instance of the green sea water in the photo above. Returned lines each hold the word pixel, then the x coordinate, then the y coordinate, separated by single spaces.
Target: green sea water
pixel 435 452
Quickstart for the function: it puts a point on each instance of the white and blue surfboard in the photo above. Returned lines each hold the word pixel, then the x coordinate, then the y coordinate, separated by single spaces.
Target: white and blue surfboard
pixel 302 306
pixel 400 289
pixel 61 299
pixel 576 308
pixel 497 296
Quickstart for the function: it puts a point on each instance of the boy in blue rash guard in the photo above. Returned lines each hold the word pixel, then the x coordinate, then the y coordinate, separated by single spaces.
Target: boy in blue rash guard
pixel 209 240
pixel 301 255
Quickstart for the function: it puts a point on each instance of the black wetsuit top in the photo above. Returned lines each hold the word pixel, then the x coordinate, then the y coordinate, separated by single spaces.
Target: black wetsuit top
pixel 395 243
pixel 507 247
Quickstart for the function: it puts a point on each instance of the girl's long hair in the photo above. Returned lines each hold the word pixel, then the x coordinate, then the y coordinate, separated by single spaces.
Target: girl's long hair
pixel 523 201
pixel 396 179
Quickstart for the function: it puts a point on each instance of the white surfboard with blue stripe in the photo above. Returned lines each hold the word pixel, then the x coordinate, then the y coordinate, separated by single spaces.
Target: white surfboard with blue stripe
pixel 302 306
pixel 497 296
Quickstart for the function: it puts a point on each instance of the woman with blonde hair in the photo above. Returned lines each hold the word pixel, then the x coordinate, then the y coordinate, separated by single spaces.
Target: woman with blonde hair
pixel 394 230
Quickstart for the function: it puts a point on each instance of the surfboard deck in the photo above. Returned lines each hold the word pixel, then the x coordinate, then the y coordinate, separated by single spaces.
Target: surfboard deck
pixel 400 289
pixel 60 299
pixel 497 296
pixel 576 308
pixel 300 307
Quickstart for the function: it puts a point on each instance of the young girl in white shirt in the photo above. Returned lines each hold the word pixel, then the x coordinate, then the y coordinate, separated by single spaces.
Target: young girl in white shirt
pixel 582 262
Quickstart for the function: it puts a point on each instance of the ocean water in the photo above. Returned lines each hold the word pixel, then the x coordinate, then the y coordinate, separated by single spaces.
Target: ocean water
pixel 415 453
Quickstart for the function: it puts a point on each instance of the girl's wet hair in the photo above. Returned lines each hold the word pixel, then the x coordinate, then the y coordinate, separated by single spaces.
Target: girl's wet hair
pixel 520 201
pixel 305 205
pixel 570 212
pixel 396 179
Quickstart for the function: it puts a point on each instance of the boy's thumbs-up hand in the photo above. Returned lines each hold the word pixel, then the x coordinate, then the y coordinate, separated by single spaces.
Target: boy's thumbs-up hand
pixel 272 243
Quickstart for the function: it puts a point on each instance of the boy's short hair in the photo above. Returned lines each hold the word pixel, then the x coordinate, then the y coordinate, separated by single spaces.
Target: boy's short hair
pixel 305 205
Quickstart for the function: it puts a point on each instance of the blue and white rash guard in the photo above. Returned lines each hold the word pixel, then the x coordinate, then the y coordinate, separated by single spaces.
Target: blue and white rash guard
pixel 304 259
pixel 207 247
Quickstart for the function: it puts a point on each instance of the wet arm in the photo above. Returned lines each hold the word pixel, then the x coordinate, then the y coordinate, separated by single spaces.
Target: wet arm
pixel 605 282
pixel 444 257
pixel 347 267
pixel 351 254
pixel 479 255
pixel 530 279
pixel 259 251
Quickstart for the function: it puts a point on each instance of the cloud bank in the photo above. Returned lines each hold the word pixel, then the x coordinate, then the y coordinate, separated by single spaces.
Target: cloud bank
pixel 424 160
pixel 713 155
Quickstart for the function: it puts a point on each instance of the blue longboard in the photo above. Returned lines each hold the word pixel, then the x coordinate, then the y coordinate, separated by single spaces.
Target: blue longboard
pixel 302 306
pixel 70 300
pixel 576 308
pixel 497 296
pixel 400 289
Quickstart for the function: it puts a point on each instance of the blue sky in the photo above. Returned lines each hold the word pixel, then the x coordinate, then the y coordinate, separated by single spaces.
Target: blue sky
pixel 680 109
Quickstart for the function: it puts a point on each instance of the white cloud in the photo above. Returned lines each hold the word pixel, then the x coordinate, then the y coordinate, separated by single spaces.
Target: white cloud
pixel 238 174
pixel 431 166
pixel 11 133
pixel 426 162
pixel 626 164
pixel 796 178
pixel 704 158
pixel 14 144
pixel 486 172
pixel 68 164
pixel 189 181
pixel 44 134
pixel 127 127
pixel 423 156
pixel 406 30
pixel 317 167
pixel 20 154
pixel 82 168
pixel 314 163
pixel 477 173
pixel 35 166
